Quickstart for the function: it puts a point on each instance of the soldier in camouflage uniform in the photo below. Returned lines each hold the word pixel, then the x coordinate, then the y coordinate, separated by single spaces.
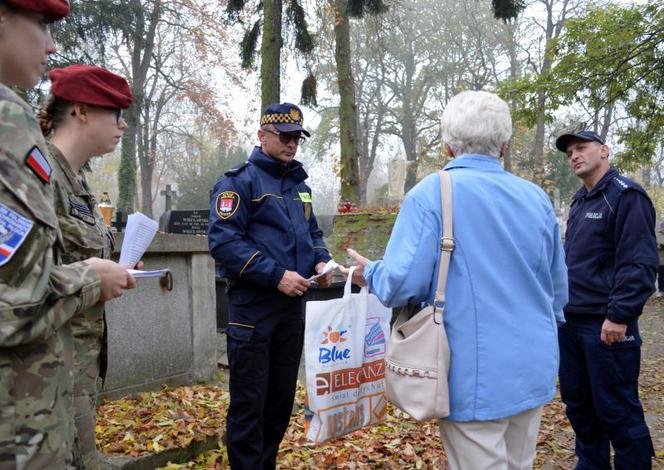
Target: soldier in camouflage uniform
pixel 82 118
pixel 38 295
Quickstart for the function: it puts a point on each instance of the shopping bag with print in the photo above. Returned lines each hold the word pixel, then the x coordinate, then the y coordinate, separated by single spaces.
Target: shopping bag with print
pixel 344 343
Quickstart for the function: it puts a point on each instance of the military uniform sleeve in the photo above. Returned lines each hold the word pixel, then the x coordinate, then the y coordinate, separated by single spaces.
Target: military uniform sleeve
pixel 229 219
pixel 36 296
pixel 636 257
pixel 404 275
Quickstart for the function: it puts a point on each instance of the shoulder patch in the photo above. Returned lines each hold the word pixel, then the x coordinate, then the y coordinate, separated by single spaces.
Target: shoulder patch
pixel 621 184
pixel 36 161
pixel 14 229
pixel 305 197
pixel 227 203
pixel 235 171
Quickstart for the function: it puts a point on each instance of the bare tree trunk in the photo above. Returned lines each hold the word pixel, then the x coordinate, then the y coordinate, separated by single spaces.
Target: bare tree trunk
pixel 147 170
pixel 347 107
pixel 140 63
pixel 271 53
pixel 514 73
pixel 410 147
pixel 409 123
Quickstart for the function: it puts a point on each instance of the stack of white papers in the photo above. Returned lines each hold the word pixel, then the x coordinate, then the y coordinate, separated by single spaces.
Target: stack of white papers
pixel 138 274
pixel 329 266
pixel 139 233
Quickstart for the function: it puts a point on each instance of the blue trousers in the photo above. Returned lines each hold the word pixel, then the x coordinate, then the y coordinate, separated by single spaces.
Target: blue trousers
pixel 599 386
pixel 265 337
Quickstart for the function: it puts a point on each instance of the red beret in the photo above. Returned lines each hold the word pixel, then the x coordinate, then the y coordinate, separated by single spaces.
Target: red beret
pixel 90 85
pixel 52 9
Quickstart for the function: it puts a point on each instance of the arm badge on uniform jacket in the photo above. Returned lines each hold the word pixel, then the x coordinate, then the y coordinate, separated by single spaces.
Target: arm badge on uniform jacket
pixel 227 203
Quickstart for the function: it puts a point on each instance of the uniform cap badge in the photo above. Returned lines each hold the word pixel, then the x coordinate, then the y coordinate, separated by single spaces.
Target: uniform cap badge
pixel 295 115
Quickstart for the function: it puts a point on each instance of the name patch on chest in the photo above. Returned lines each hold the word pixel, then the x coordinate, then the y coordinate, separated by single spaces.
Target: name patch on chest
pixel 594 215
pixel 80 210
pixel 14 229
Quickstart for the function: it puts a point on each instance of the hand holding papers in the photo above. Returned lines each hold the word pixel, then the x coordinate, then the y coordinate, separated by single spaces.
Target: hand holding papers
pixel 139 233
pixel 329 266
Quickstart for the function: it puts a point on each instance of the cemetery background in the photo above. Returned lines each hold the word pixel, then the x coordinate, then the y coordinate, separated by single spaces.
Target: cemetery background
pixel 561 65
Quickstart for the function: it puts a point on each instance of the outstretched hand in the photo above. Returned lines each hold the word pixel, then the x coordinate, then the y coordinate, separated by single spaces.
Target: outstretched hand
pixel 358 274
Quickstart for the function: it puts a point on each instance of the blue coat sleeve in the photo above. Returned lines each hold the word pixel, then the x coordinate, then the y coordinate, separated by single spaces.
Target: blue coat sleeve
pixel 227 238
pixel 406 272
pixel 636 257
pixel 559 276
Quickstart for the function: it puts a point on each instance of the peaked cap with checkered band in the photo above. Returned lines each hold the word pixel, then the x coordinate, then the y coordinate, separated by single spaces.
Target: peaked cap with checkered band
pixel 286 117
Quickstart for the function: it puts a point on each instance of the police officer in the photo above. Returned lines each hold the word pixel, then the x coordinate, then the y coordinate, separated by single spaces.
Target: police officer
pixel 264 236
pixel 611 257
pixel 82 118
pixel 38 296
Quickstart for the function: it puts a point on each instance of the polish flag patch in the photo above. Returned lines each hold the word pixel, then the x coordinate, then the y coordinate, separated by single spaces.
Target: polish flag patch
pixel 38 164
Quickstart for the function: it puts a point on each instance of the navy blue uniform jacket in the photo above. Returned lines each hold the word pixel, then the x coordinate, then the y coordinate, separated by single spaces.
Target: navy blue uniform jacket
pixel 262 223
pixel 610 249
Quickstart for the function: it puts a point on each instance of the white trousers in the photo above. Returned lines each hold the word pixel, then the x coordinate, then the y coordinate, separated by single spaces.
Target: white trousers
pixel 502 444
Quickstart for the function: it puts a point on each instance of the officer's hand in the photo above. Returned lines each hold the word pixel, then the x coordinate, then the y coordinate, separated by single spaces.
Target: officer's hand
pixel 358 274
pixel 612 332
pixel 293 284
pixel 114 278
pixel 325 280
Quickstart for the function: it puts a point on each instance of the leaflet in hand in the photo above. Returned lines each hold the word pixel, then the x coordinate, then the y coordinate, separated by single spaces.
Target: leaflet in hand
pixel 329 267
pixel 139 233
pixel 138 274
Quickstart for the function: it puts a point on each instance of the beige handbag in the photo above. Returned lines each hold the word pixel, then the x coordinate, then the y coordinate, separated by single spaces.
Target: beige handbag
pixel 418 355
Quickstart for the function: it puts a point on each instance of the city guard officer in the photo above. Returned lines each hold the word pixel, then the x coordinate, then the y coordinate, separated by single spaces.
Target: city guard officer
pixel 265 238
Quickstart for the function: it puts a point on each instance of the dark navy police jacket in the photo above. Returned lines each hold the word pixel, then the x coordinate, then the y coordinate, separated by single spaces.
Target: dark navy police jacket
pixel 262 223
pixel 610 249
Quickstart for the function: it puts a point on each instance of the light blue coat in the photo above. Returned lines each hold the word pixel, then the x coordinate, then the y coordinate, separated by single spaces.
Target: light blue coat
pixel 506 287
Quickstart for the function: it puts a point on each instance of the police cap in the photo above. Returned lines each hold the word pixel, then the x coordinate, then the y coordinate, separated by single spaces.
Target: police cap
pixel 286 117
pixel 563 141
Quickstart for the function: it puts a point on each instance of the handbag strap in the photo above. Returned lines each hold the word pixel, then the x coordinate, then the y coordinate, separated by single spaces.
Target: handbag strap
pixel 446 242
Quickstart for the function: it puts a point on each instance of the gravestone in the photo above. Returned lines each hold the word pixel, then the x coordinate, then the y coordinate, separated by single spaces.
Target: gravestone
pixel 158 336
pixel 168 194
pixel 185 222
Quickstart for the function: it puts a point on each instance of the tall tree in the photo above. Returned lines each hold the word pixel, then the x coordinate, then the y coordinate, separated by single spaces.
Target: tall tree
pixel 146 41
pixel 270 22
pixel 607 68
pixel 348 115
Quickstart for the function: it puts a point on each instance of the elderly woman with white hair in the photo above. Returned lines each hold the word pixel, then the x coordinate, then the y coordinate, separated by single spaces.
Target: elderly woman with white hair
pixel 506 287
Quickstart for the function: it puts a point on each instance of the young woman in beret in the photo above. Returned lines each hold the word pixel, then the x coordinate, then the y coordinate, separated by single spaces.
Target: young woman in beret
pixel 38 294
pixel 82 118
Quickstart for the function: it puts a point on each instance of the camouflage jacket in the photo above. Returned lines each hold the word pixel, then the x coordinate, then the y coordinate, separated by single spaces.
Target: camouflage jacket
pixel 37 299
pixel 84 232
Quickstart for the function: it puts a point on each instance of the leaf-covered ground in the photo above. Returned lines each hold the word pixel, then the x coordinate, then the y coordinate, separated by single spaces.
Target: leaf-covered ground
pixel 156 421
